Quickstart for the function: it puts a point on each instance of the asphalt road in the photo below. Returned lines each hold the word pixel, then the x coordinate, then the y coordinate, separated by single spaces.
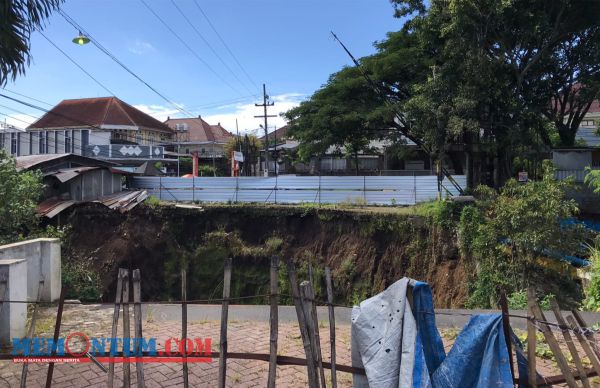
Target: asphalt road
pixel 260 313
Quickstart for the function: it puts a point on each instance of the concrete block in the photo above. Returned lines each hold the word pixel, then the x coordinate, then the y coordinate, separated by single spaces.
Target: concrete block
pixel 13 316
pixel 43 257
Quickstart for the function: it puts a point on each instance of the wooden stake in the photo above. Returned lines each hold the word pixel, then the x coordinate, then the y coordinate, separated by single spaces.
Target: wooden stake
pixel 331 325
pixel 554 347
pixel 184 325
pixel 115 324
pixel 61 305
pixel 137 316
pixel 531 339
pixel 313 381
pixel 317 339
pixel 126 332
pixel 584 344
pixel 32 330
pixel 587 334
pixel 307 298
pixel 569 340
pixel 224 319
pixel 506 328
pixel 274 320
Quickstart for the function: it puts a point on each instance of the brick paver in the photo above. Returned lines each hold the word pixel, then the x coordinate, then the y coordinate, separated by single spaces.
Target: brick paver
pixel 243 336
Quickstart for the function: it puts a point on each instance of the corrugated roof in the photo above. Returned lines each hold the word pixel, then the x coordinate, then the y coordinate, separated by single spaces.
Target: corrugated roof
pixel 199 130
pixel 96 112
pixel 66 174
pixel 30 161
pixel 279 134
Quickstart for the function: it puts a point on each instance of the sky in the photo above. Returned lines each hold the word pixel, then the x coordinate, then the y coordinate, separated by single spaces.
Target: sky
pixel 283 44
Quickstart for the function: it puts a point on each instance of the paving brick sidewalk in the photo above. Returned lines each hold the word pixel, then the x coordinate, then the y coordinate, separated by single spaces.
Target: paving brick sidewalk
pixel 243 336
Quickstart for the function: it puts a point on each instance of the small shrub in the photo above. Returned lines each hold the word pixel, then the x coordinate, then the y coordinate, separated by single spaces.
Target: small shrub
pixel 152 201
pixel 81 281
pixel 518 301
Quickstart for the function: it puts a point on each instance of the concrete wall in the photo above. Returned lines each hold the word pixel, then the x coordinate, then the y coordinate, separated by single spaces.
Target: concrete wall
pixel 13 316
pixel 43 257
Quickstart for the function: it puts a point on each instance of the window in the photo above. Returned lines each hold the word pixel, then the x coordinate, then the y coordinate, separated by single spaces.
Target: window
pixel 85 138
pixel 138 138
pixel 30 143
pixel 1 140
pixel 13 143
pixel 203 151
pixel 181 127
pixel 68 142
pixel 56 142
pixel 41 142
pixel 587 123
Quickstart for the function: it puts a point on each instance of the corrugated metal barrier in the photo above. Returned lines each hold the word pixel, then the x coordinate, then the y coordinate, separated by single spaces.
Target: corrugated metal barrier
pixel 372 190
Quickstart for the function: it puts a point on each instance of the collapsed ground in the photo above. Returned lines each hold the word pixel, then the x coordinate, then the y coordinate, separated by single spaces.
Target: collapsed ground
pixel 367 251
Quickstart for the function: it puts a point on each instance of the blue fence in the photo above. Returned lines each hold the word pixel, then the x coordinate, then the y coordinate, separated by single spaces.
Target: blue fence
pixel 372 190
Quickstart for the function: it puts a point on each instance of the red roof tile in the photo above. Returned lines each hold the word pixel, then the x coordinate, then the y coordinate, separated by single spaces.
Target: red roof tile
pixel 96 112
pixel 199 130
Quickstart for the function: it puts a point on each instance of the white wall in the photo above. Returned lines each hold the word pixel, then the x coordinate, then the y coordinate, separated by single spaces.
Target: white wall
pixel 572 160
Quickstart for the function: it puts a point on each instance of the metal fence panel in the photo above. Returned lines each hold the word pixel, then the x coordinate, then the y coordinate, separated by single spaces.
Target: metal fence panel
pixel 373 190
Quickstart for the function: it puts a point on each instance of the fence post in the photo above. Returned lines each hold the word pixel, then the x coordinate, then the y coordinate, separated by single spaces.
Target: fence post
pixel 160 188
pixel 319 187
pixel 224 319
pixel 365 188
pixel 415 186
pixel 184 326
pixel 331 324
pixel 126 332
pixel 137 316
pixel 193 189
pixel 274 322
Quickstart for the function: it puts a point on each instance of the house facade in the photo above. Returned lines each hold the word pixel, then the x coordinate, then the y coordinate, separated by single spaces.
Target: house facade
pixel 195 135
pixel 102 128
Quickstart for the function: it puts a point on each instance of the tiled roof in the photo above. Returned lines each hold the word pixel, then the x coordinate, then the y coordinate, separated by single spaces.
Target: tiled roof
pixel 95 112
pixel 278 134
pixel 199 130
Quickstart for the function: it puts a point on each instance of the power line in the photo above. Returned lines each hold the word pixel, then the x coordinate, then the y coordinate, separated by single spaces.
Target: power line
pixel 76 64
pixel 225 44
pixel 30 98
pixel 116 60
pixel 210 47
pixel 188 47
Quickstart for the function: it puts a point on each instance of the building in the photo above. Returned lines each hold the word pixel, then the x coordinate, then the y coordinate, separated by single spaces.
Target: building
pixel 103 128
pixel 9 138
pixel 196 135
pixel 588 129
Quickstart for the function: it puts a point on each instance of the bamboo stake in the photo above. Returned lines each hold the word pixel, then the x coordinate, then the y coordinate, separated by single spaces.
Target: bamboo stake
pixel 584 344
pixel 506 328
pixel 224 318
pixel 126 332
pixel 115 324
pixel 137 316
pixel 61 305
pixel 307 298
pixel 581 322
pixel 331 325
pixel 569 340
pixel 274 320
pixel 317 339
pixel 184 325
pixel 531 339
pixel 554 346
pixel 310 364
pixel 32 330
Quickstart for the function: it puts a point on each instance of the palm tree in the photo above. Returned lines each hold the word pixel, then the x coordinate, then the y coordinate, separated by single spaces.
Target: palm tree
pixel 18 18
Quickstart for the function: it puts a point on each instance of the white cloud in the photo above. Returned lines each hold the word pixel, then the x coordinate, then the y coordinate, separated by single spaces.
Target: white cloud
pixel 245 113
pixel 228 113
pixel 159 112
pixel 140 47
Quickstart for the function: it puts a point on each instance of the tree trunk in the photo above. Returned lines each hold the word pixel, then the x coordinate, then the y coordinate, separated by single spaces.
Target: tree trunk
pixel 567 135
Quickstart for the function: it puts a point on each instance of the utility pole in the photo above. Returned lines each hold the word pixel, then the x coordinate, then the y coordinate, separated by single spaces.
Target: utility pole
pixel 266 104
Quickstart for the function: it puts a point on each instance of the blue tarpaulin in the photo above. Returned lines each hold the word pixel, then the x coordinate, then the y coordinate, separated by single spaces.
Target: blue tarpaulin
pixel 478 358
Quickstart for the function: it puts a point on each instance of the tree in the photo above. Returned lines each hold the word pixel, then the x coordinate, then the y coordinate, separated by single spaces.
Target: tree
pixel 20 191
pixel 18 18
pixel 250 146
pixel 503 71
pixel 346 113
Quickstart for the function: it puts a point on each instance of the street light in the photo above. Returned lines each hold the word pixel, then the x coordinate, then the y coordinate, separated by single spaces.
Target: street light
pixel 81 39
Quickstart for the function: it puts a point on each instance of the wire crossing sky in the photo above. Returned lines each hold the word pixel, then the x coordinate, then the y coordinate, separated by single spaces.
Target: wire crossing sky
pixel 212 63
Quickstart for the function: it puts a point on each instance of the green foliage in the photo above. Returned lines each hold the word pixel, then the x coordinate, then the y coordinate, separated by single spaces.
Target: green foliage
pixel 592 179
pixel 20 191
pixel 505 232
pixel 152 201
pixel 81 280
pixel 444 213
pixel 18 19
pixel 592 292
pixel 518 301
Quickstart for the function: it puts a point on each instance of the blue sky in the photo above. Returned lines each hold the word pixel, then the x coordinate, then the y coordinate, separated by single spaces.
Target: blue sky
pixel 283 43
